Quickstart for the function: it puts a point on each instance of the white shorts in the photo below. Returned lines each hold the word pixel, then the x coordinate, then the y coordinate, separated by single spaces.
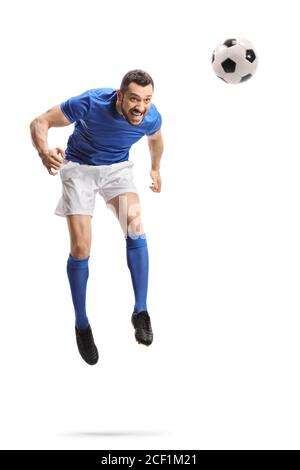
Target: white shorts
pixel 81 183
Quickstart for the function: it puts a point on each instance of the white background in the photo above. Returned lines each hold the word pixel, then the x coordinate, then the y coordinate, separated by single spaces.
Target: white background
pixel 223 235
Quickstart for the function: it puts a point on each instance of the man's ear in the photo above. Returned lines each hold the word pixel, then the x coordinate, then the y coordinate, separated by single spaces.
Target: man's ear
pixel 119 95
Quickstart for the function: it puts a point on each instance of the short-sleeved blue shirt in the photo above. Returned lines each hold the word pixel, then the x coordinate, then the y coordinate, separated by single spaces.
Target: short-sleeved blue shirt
pixel 101 136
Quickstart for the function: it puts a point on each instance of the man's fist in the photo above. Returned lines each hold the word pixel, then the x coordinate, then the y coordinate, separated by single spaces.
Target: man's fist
pixel 156 181
pixel 53 159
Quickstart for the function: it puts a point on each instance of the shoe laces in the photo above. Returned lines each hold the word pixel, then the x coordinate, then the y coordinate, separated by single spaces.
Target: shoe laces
pixel 87 337
pixel 143 320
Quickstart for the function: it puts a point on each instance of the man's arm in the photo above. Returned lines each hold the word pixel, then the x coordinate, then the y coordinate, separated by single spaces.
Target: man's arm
pixel 54 117
pixel 156 147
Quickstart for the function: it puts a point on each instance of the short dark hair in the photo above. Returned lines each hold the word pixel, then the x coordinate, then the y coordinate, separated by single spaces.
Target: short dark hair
pixel 137 76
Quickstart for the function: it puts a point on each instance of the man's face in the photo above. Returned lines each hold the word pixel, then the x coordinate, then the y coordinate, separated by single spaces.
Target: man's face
pixel 135 102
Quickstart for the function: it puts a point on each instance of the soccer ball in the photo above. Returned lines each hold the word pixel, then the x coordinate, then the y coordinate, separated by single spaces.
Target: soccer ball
pixel 235 60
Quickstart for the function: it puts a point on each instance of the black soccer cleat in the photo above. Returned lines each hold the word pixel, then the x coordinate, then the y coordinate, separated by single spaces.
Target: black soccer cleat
pixel 142 324
pixel 86 346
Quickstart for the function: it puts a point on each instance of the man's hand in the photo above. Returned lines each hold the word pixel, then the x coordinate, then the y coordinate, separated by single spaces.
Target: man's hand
pixel 53 159
pixel 156 181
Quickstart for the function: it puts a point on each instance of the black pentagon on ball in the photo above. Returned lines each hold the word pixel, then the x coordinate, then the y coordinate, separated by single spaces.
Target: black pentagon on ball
pixel 250 55
pixel 228 66
pixel 230 42
pixel 246 77
pixel 213 57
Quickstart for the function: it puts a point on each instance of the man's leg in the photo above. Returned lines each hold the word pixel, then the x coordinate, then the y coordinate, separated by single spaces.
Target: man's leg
pixel 80 231
pixel 77 266
pixel 128 211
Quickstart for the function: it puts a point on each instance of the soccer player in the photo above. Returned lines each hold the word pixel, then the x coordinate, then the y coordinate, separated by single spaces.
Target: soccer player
pixel 107 123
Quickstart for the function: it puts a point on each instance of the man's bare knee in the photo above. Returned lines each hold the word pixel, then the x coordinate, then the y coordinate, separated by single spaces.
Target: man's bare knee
pixel 80 250
pixel 80 235
pixel 126 208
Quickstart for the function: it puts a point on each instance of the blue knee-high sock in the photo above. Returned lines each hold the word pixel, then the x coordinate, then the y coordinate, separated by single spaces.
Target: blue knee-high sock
pixel 78 273
pixel 138 264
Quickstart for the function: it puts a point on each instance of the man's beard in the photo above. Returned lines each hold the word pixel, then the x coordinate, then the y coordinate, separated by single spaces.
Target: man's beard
pixel 126 115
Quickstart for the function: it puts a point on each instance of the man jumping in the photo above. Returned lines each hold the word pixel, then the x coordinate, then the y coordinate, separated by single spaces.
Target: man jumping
pixel 107 123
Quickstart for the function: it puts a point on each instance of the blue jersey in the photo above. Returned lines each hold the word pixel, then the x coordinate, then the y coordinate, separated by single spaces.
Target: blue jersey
pixel 101 135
